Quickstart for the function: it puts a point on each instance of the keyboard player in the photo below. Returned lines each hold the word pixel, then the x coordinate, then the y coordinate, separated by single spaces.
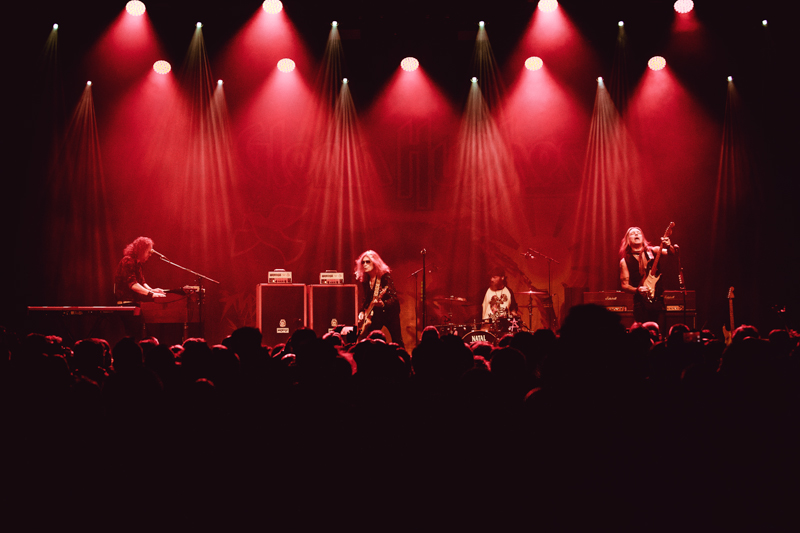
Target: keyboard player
pixel 129 283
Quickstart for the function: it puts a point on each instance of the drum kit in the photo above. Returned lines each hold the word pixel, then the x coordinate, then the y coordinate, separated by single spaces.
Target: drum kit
pixel 490 330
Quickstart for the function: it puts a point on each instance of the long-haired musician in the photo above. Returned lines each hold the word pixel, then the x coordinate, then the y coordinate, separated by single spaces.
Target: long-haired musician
pixel 129 282
pixel 378 293
pixel 636 260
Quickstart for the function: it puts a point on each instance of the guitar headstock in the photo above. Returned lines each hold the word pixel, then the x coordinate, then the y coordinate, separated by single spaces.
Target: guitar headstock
pixel 669 229
pixel 730 293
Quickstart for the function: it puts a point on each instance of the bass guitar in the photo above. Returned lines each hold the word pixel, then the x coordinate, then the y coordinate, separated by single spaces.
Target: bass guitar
pixel 368 314
pixel 652 277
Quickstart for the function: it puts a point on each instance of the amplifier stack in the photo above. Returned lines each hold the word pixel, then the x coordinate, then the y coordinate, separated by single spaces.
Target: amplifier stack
pixel 282 308
pixel 681 306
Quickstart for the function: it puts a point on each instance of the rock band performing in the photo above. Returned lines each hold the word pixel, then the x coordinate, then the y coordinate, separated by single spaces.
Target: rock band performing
pixel 640 274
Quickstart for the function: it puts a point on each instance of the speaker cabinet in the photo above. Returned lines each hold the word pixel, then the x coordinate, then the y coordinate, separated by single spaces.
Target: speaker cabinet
pixel 616 301
pixel 280 310
pixel 674 303
pixel 330 306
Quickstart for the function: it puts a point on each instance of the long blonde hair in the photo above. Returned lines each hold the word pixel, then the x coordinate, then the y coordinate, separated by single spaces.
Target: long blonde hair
pixel 624 246
pixel 379 266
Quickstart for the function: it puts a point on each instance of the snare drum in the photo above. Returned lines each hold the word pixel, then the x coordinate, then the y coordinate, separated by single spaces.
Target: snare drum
pixel 502 325
pixel 479 336
pixel 452 329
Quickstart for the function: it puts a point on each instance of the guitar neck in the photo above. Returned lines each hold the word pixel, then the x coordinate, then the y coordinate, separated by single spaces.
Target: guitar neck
pixel 667 233
pixel 730 310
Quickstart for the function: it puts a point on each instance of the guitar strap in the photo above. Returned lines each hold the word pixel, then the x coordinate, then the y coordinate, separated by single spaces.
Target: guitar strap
pixel 644 258
pixel 377 289
pixel 642 264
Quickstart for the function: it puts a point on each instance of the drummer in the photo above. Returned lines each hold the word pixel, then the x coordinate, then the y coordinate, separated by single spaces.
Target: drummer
pixel 499 302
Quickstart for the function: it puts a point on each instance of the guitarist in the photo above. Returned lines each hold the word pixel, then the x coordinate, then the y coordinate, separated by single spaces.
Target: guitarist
pixel 636 260
pixel 379 292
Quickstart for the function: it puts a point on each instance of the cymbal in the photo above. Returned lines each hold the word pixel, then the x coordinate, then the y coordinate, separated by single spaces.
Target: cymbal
pixel 537 293
pixel 454 300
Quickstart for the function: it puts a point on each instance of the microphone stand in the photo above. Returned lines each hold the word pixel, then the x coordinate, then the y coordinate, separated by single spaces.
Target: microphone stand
pixel 424 252
pixel 681 282
pixel 416 300
pixel 414 274
pixel 200 291
pixel 530 255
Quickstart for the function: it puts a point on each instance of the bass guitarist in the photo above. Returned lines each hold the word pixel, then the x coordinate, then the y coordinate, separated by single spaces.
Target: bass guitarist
pixel 380 306
pixel 636 263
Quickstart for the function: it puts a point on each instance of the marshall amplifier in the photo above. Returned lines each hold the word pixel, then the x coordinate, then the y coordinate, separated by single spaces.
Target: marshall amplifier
pixel 280 310
pixel 617 301
pixel 279 276
pixel 330 277
pixel 330 306
pixel 680 300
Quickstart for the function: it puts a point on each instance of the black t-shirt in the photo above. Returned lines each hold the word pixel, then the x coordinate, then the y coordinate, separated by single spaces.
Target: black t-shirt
pixel 390 300
pixel 129 271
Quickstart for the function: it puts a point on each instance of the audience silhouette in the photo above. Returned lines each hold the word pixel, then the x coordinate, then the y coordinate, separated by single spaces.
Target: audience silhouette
pixel 597 428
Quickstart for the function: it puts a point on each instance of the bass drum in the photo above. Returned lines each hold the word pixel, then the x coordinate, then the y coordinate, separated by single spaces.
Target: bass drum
pixel 480 336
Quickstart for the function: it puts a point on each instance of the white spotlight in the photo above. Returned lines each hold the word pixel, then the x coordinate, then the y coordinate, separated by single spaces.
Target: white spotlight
pixel 135 8
pixel 89 83
pixel 730 78
pixel 219 82
pixel 272 6
pixel 334 24
pixel 481 24
pixel 620 24
pixel 474 80
pixel 764 22
pixel 55 26
pixel 548 5
pixel 344 80
pixel 683 6
pixel 534 63
pixel 286 65
pixel 600 80
pixel 199 24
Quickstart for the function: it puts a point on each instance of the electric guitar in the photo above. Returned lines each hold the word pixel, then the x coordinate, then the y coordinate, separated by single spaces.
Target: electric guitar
pixel 652 278
pixel 368 313
pixel 728 334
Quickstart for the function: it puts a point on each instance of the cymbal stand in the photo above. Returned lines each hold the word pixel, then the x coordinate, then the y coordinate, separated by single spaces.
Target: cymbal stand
pixel 530 312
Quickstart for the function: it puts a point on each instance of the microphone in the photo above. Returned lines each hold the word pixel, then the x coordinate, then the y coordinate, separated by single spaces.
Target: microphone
pixel 159 254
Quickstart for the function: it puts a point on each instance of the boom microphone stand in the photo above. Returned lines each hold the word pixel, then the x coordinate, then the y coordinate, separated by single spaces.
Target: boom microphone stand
pixel 681 281
pixel 201 291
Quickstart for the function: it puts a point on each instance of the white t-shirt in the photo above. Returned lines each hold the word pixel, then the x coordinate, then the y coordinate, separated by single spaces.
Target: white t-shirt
pixel 495 303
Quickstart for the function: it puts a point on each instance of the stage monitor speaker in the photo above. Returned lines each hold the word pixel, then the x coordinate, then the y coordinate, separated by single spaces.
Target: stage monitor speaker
pixel 330 306
pixel 280 310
